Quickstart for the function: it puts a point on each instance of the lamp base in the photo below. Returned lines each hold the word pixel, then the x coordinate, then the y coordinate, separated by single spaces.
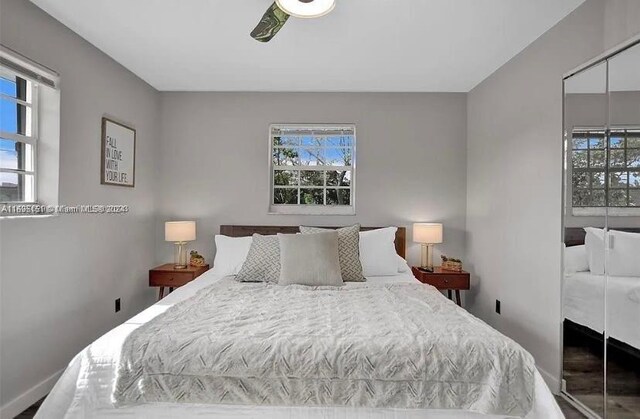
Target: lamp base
pixel 180 256
pixel 426 259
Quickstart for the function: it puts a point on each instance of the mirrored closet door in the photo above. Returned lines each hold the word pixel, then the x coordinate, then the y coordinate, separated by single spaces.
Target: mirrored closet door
pixel 601 233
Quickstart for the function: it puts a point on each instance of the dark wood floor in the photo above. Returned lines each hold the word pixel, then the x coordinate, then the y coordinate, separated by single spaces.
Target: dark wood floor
pixel 584 374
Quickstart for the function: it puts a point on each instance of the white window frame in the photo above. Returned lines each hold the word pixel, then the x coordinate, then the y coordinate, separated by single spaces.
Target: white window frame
pixel 44 137
pixel 30 104
pixel 307 209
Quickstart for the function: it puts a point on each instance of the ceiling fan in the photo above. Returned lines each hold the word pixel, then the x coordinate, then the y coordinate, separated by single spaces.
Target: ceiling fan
pixel 277 15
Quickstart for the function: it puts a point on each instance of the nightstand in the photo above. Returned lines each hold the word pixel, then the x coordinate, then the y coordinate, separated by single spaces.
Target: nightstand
pixel 445 280
pixel 167 276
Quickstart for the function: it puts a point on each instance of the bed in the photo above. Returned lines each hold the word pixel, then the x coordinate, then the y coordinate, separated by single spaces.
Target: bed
pixel 86 388
pixel 584 302
pixel 584 305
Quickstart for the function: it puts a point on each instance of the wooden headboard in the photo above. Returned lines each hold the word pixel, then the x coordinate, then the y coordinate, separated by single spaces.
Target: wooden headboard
pixel 243 231
pixel 574 236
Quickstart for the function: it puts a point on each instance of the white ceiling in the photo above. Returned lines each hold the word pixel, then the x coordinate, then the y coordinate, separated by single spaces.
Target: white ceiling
pixel 363 45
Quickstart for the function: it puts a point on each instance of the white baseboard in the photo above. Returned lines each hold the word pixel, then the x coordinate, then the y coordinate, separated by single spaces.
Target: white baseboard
pixel 552 382
pixel 29 397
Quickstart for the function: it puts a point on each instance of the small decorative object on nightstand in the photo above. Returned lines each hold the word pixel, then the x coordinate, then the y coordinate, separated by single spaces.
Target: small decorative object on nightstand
pixel 180 232
pixel 168 276
pixel 444 280
pixel 427 234
pixel 451 264
pixel 196 259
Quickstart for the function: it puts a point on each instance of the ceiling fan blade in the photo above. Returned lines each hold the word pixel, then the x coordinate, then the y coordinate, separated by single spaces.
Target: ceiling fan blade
pixel 271 22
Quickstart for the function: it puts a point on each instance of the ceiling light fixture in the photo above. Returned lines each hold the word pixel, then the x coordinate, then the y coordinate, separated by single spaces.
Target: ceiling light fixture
pixel 306 8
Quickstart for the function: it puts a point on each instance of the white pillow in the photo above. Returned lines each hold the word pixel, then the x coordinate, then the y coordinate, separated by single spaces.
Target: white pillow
pixel 576 259
pixel 624 255
pixel 403 266
pixel 378 252
pixel 231 252
pixel 594 242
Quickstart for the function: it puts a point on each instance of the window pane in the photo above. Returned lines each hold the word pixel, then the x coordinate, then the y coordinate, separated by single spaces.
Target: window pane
pixel 312 178
pixel 286 141
pixel 617 158
pixel 346 141
pixel 618 179
pixel 338 156
pixel 634 198
pixel 15 118
pixel 340 178
pixel 596 143
pixel 634 179
pixel 285 178
pixel 338 197
pixel 311 157
pixel 285 157
pixel 597 198
pixel 15 155
pixel 312 196
pixel 633 142
pixel 579 159
pixel 14 86
pixel 616 142
pixel 580 197
pixel 633 157
pixel 618 198
pixel 597 180
pixel 597 159
pixel 16 187
pixel 285 196
pixel 311 141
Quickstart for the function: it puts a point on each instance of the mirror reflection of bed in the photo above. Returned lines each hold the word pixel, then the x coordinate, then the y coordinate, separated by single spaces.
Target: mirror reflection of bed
pixel 585 294
pixel 601 230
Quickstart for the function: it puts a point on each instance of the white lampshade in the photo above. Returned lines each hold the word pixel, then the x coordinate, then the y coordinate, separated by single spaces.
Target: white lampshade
pixel 430 233
pixel 180 231
pixel 306 9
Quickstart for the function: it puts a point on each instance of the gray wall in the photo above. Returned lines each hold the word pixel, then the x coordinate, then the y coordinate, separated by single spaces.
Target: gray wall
pixel 411 159
pixel 59 276
pixel 514 178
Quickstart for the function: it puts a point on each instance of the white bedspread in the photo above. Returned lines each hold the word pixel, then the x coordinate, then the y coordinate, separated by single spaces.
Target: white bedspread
pixel 584 304
pixel 84 390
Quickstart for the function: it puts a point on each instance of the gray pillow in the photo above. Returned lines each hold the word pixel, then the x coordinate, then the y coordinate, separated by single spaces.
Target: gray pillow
pixel 309 259
pixel 348 249
pixel 263 261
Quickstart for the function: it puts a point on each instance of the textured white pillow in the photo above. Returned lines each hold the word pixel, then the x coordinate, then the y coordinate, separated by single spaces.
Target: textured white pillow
pixel 576 259
pixel 310 259
pixel 594 242
pixel 378 252
pixel 231 252
pixel 624 255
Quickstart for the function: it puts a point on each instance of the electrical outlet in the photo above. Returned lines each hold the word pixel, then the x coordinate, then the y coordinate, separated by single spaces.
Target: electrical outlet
pixel 498 306
pixel 117 305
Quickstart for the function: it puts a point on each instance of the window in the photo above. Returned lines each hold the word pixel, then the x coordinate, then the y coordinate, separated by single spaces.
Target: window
pixel 29 135
pixel 606 176
pixel 312 169
pixel 18 137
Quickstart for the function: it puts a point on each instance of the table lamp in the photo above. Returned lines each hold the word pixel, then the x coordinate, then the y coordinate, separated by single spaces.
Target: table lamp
pixel 180 232
pixel 427 234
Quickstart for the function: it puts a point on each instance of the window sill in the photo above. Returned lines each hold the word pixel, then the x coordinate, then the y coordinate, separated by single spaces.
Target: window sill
pixel 601 212
pixel 311 210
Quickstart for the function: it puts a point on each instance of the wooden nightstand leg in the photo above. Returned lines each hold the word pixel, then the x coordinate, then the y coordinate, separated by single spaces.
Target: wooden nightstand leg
pixel 161 294
pixel 458 298
pixel 170 290
pixel 449 294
